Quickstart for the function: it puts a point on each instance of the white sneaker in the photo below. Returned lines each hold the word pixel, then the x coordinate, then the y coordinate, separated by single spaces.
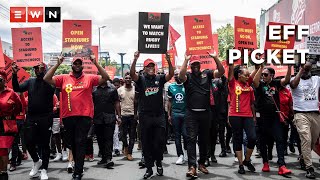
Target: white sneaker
pixel 64 155
pixel 70 167
pixel 180 160
pixel 44 174
pixel 236 160
pixel 57 158
pixel 35 168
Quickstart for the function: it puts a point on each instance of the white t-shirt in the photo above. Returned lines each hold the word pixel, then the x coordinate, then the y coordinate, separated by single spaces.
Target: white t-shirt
pixel 306 95
pixel 126 100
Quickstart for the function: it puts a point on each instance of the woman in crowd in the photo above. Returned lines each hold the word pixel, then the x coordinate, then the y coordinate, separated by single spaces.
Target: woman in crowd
pixel 10 105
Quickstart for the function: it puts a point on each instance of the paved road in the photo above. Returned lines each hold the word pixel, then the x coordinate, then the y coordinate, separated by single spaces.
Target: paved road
pixel 125 170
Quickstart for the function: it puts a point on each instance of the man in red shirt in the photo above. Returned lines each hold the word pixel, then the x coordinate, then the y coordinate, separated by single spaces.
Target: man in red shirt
pixel 77 111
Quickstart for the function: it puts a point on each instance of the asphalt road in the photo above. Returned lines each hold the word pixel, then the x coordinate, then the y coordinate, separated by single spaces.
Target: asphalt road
pixel 226 168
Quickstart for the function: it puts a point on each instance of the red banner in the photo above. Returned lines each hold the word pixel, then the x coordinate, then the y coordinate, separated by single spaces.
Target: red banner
pixel 215 39
pixel 245 33
pixel 22 74
pixel 172 58
pixel 27 46
pixel 89 67
pixel 76 38
pixel 281 70
pixel 198 34
pixel 2 64
pixel 111 70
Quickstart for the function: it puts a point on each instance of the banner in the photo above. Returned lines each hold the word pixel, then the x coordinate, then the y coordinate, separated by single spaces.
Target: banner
pixel 313 44
pixel 22 74
pixel 2 64
pixel 215 40
pixel 173 37
pixel 172 58
pixel 198 34
pixel 27 46
pixel 153 32
pixel 76 38
pixel 111 71
pixel 88 66
pixel 281 70
pixel 288 44
pixel 245 33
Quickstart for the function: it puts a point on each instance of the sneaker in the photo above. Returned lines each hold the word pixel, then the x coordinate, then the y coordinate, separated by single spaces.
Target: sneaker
pixel 64 155
pixel 192 172
pixel 12 168
pixel 44 174
pixel 180 160
pixel 35 168
pixel 86 157
pixel 236 159
pixel 129 157
pixel 91 158
pixel 241 170
pixel 249 165
pixel 266 167
pixel 117 152
pixel 24 156
pixel 57 158
pixel 283 170
pixel 223 154
pixel 310 173
pixel 148 174
pixel 70 167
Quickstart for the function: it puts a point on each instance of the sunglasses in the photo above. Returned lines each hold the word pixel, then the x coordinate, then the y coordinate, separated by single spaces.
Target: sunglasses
pixel 265 74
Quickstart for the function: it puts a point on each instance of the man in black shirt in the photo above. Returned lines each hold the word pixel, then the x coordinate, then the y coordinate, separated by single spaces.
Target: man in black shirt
pixel 106 103
pixel 268 105
pixel 39 117
pixel 151 113
pixel 197 85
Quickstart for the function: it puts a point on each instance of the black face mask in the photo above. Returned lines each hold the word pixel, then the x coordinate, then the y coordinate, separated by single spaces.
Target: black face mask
pixel 40 75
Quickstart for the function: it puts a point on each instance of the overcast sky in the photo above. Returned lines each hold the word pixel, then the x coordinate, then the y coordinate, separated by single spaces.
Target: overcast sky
pixel 121 19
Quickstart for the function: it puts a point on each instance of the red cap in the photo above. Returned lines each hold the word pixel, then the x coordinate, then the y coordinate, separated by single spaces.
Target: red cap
pixel 148 61
pixel 194 59
pixel 77 58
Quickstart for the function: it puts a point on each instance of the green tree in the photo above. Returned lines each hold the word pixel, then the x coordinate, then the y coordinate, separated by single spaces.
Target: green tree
pixel 30 71
pixel 225 40
pixel 63 69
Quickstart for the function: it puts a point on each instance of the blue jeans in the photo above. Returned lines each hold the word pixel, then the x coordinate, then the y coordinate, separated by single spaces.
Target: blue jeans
pixel 179 129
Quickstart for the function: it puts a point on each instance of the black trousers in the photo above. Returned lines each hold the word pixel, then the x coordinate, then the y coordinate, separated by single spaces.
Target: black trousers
pixel 104 134
pixel 128 126
pixel 16 153
pixel 238 124
pixel 76 131
pixel 153 131
pixel 37 133
pixel 270 126
pixel 198 126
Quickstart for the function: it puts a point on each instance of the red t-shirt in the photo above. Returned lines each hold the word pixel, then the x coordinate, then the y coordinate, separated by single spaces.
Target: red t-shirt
pixel 241 98
pixel 79 101
pixel 21 115
pixel 286 102
pixel 10 103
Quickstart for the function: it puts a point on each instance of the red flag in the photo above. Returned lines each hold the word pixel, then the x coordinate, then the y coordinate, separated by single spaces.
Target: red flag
pixel 173 37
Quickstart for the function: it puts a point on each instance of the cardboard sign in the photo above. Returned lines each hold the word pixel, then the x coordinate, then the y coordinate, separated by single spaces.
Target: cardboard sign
pixel 172 58
pixel 245 33
pixel 2 64
pixel 198 34
pixel 76 38
pixel 313 44
pixel 27 46
pixel 111 71
pixel 281 70
pixel 288 44
pixel 215 40
pixel 22 74
pixel 88 66
pixel 153 32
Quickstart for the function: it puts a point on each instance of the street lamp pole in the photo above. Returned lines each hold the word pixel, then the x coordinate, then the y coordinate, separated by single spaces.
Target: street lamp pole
pixel 121 54
pixel 99 54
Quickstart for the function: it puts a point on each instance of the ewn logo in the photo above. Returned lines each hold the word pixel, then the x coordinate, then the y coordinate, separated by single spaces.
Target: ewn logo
pixel 35 14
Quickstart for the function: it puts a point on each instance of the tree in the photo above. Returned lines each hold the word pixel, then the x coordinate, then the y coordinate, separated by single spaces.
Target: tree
pixel 30 71
pixel 63 69
pixel 225 40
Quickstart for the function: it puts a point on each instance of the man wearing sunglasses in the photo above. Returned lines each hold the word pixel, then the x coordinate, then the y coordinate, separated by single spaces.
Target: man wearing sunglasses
pixel 268 119
pixel 39 117
pixel 305 95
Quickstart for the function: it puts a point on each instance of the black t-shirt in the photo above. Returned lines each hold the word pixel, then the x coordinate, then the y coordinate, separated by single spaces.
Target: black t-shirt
pixel 264 94
pixel 150 90
pixel 220 93
pixel 198 90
